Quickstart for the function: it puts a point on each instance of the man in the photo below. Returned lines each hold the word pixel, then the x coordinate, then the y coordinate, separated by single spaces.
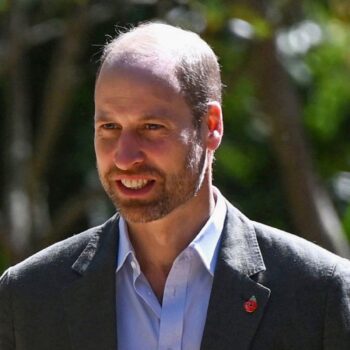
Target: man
pixel 178 267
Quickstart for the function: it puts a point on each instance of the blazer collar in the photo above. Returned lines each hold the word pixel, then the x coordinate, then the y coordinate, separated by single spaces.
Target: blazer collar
pixel 240 262
pixel 240 249
pixel 89 300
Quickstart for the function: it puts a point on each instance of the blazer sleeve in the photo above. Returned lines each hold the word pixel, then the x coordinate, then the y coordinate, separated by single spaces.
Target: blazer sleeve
pixel 337 320
pixel 6 321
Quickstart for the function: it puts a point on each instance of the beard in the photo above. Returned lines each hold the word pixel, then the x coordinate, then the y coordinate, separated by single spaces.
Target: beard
pixel 172 190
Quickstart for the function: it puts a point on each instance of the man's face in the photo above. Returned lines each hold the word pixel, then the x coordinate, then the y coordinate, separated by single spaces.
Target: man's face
pixel 150 157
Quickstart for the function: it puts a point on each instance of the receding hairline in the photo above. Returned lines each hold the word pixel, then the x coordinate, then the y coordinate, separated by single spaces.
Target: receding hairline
pixel 154 41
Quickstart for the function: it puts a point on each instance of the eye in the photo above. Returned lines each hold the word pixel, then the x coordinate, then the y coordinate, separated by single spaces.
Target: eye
pixel 151 126
pixel 110 126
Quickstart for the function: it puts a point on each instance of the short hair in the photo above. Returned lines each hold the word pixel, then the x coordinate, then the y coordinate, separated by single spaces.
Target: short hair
pixel 194 63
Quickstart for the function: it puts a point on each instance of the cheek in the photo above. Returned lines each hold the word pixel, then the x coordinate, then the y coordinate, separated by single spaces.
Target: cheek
pixel 104 152
pixel 172 155
pixel 165 155
pixel 104 146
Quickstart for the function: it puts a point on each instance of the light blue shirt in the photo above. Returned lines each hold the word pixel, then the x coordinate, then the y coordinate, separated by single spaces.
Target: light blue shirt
pixel 177 324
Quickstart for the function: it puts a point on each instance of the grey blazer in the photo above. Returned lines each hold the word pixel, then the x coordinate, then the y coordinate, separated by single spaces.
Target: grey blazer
pixel 64 296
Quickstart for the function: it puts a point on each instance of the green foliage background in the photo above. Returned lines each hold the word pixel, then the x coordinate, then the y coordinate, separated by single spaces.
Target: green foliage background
pixel 246 170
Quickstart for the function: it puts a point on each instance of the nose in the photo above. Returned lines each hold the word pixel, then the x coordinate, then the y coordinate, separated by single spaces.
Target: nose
pixel 128 152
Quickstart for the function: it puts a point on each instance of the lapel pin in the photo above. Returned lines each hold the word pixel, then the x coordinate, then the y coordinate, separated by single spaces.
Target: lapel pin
pixel 251 305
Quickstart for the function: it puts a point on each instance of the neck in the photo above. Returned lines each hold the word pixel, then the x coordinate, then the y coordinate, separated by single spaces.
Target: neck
pixel 158 243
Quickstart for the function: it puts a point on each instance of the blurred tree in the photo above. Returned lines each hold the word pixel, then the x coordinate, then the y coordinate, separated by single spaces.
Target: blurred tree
pixel 283 62
pixel 274 76
pixel 38 102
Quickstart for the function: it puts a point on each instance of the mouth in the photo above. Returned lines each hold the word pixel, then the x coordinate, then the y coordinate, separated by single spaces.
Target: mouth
pixel 135 187
pixel 134 184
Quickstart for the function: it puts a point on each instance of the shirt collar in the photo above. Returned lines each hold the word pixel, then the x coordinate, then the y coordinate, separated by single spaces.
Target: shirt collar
pixel 125 247
pixel 206 243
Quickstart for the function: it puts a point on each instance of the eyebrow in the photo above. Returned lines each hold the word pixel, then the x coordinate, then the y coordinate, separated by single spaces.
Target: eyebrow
pixel 161 114
pixel 101 117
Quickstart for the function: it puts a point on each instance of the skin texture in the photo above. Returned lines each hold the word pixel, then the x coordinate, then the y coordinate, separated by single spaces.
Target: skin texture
pixel 144 130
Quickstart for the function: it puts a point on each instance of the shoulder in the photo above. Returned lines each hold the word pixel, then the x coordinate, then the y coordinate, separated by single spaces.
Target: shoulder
pixel 277 245
pixel 308 285
pixel 298 267
pixel 287 258
pixel 57 258
pixel 62 253
pixel 312 280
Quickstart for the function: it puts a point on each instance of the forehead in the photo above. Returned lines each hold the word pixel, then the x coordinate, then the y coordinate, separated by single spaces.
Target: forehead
pixel 128 87
pixel 129 77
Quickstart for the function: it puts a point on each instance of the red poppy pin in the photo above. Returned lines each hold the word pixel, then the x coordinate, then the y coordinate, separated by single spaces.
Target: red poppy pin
pixel 251 305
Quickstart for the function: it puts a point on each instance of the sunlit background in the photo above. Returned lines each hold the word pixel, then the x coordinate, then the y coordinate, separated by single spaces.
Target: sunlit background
pixel 285 158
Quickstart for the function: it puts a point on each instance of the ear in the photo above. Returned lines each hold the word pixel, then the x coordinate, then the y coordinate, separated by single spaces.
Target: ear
pixel 214 124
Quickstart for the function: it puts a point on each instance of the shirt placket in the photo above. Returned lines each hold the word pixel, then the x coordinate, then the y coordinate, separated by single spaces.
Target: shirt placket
pixel 173 306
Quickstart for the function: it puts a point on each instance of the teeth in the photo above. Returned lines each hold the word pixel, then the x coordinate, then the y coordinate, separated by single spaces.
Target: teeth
pixel 134 184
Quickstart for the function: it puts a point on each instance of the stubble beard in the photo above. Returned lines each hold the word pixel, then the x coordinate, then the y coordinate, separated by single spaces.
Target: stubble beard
pixel 173 189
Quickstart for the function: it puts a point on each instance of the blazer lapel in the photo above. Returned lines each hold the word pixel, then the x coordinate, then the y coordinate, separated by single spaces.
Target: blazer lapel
pixel 90 300
pixel 229 323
